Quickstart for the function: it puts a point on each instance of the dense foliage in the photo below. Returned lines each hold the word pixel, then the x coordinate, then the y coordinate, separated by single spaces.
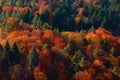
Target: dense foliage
pixel 43 55
pixel 59 40
pixel 61 14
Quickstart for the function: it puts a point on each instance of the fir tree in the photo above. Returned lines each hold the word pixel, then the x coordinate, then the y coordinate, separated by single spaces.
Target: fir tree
pixel 56 31
pixel 112 50
pixel 39 24
pixel 103 23
pixel 18 15
pixel 28 16
pixel 77 57
pixel 18 3
pixel 104 44
pixel 7 46
pixel 92 18
pixel 5 60
pixel 32 58
pixel 78 60
pixel 45 26
pixel 1 48
pixel 34 21
pixel 15 55
pixel 21 23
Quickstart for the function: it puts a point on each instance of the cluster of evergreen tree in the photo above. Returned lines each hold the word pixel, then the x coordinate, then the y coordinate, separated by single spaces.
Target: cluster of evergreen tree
pixel 11 56
pixel 104 13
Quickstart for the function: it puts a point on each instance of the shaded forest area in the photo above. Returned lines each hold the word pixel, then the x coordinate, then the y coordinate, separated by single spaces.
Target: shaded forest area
pixel 62 14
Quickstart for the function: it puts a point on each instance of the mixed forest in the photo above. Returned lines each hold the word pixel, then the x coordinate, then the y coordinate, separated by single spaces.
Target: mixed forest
pixel 59 39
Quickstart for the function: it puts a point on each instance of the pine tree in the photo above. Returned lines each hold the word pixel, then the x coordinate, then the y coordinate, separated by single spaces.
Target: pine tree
pixel 7 28
pixel 26 2
pixel 77 56
pixel 1 48
pixel 15 48
pixel 112 50
pixel 104 44
pixel 104 22
pixel 28 16
pixel 39 24
pixel 10 2
pixel 21 23
pixel 14 13
pixel 33 3
pixel 19 3
pixel 8 13
pixel 56 31
pixel 95 52
pixel 4 64
pixel 45 46
pixel 3 17
pixel 18 16
pixel 78 60
pixel 92 18
pixel 15 55
pixel 32 58
pixel 34 21
pixel 14 1
pixel 45 26
pixel 7 47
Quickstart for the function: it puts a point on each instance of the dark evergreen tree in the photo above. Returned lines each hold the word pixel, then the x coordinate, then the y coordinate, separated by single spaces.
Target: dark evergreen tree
pixel 7 46
pixel 103 23
pixel 14 1
pixel 5 56
pixel 4 63
pixel 15 55
pixel 92 18
pixel 1 48
pixel 28 16
pixel 45 16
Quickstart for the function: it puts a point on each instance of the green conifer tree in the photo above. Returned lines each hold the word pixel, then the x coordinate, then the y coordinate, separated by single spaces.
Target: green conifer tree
pixel 21 23
pixel 39 23
pixel 18 3
pixel 32 58
pixel 34 21
pixel 77 60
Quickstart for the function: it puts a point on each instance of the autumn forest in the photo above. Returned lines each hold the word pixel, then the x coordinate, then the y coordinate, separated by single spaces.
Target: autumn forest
pixel 59 39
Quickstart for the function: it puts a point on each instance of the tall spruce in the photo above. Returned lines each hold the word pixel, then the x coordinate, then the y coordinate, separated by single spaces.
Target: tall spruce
pixel 4 63
pixel 1 47
pixel 7 46
pixel 15 55
pixel 34 21
pixel 78 60
pixel 32 58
